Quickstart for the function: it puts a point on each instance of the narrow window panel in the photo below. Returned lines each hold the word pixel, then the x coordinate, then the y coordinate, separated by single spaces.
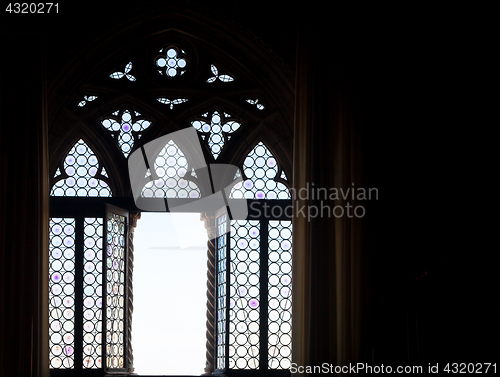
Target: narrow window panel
pixel 244 303
pixel 115 291
pixel 92 293
pixel 62 293
pixel 280 294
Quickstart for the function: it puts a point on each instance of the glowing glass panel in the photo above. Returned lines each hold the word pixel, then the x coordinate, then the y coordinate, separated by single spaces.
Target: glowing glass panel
pixel 118 75
pixel 216 76
pixel 171 102
pixel 216 127
pixel 171 61
pixel 115 291
pixel 170 168
pixel 126 129
pixel 62 293
pixel 82 173
pixel 260 168
pixel 92 293
pixel 244 303
pixel 280 295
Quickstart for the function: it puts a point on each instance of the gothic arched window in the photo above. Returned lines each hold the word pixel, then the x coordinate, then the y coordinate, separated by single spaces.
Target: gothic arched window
pixel 142 93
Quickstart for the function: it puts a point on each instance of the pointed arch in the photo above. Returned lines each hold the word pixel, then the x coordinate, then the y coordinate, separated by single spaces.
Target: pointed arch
pixel 167 180
pixel 83 176
pixel 260 168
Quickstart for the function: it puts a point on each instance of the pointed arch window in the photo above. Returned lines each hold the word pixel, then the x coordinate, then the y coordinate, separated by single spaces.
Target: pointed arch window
pixel 81 174
pixel 261 169
pixel 171 177
pixel 91 251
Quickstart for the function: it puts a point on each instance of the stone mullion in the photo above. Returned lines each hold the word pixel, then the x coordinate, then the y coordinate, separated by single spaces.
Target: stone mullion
pixel 210 333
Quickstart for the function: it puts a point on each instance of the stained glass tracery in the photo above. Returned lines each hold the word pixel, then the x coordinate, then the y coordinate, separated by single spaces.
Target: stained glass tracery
pixel 118 74
pixel 260 168
pixel 126 126
pixel 171 61
pixel 171 102
pixel 86 99
pixel 218 128
pixel 256 103
pixel 171 166
pixel 216 76
pixel 83 173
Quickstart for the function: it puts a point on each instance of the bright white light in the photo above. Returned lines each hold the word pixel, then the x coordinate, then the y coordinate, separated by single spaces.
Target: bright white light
pixel 169 285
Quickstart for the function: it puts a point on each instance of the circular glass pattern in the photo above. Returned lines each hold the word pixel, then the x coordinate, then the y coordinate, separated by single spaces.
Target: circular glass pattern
pixel 126 129
pixel 245 294
pixel 260 168
pixel 171 61
pixel 61 292
pixel 171 167
pixel 216 127
pixel 81 167
pixel 280 294
pixel 92 291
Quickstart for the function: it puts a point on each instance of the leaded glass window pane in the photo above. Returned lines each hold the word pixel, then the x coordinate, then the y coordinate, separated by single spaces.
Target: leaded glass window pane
pixel 280 294
pixel 244 303
pixel 92 293
pixel 82 174
pixel 218 128
pixel 260 168
pixel 170 168
pixel 171 61
pixel 126 127
pixel 115 290
pixel 62 293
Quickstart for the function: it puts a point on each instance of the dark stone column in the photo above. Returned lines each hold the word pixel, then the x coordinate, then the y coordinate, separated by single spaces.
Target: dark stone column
pixel 209 220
